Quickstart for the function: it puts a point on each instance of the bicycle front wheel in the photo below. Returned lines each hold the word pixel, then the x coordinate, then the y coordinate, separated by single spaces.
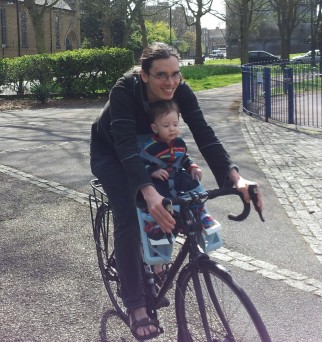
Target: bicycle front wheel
pixel 104 241
pixel 228 313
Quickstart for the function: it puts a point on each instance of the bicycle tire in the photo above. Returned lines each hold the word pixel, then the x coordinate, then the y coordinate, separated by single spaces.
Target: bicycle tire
pixel 104 242
pixel 231 315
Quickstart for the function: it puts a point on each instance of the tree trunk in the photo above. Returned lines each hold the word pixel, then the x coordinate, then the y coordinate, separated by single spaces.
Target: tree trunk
pixel 143 30
pixel 106 34
pixel 37 13
pixel 39 34
pixel 244 31
pixel 198 56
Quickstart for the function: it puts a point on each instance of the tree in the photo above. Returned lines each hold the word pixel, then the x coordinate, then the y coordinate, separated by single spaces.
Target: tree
pixel 316 28
pixel 319 29
pixel 186 45
pixel 37 13
pixel 246 13
pixel 114 20
pixel 133 15
pixel 289 13
pixel 91 24
pixel 198 8
pixel 155 32
pixel 112 13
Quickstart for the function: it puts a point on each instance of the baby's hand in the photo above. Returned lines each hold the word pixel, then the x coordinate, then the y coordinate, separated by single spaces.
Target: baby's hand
pixel 160 174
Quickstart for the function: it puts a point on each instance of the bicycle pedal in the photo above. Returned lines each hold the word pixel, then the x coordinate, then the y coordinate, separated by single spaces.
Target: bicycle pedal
pixel 164 303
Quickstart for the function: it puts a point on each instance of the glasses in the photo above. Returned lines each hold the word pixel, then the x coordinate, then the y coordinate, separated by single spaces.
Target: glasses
pixel 162 76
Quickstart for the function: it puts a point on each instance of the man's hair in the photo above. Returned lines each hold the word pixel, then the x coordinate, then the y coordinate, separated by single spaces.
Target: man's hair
pixel 162 108
pixel 156 51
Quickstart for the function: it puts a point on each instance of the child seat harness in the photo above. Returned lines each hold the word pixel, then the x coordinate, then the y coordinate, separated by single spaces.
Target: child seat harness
pixel 175 167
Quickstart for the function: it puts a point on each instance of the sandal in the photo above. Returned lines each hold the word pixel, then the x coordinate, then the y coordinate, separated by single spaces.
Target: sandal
pixel 144 322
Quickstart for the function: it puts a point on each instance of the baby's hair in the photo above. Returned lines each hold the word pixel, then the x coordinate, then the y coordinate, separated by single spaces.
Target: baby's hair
pixel 162 108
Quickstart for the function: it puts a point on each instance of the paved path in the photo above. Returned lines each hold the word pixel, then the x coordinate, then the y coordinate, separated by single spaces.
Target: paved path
pixel 50 286
pixel 292 162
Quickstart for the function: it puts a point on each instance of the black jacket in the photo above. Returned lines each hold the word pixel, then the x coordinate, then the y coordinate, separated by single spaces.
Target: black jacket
pixel 125 117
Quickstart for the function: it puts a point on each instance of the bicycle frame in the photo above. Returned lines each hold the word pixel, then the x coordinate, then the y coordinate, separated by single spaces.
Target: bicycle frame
pixel 195 277
pixel 190 247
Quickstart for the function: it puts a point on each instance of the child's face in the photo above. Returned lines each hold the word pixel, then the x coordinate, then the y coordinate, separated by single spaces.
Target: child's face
pixel 167 126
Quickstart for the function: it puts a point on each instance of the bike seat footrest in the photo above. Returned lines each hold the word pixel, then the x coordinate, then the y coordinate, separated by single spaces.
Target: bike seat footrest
pixel 210 238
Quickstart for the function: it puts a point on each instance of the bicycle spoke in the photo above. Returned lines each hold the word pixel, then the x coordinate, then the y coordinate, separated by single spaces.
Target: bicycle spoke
pixel 104 240
pixel 230 314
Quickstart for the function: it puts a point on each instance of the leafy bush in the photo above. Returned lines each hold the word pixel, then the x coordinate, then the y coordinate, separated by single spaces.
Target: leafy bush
pixel 81 72
pixel 89 71
pixel 42 92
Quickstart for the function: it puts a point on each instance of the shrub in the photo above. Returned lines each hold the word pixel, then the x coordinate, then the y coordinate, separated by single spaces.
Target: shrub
pixel 42 92
pixel 81 72
pixel 89 71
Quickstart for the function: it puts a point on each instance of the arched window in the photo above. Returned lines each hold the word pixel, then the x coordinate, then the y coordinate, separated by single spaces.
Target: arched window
pixel 24 41
pixel 57 31
pixel 69 45
pixel 3 27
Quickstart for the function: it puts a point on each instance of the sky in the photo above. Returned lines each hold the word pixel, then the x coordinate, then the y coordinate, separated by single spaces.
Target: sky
pixel 211 22
pixel 208 20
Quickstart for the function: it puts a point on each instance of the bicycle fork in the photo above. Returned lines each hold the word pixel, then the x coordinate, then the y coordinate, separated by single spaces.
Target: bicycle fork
pixel 200 300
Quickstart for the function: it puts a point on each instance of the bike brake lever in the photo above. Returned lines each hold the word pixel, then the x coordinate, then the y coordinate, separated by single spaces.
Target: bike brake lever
pixel 253 193
pixel 167 204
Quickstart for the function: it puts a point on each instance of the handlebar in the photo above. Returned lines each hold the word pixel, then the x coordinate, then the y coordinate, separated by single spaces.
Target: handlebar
pixel 194 197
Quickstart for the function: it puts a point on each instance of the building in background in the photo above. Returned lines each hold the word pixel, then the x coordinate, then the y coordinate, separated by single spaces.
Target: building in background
pixel 214 39
pixel 266 36
pixel 61 26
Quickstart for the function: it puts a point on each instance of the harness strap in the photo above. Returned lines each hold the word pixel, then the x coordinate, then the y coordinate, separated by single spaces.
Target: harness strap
pixel 153 159
pixel 175 167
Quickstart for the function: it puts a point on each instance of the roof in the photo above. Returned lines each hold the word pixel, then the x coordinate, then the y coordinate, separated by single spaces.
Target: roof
pixel 61 4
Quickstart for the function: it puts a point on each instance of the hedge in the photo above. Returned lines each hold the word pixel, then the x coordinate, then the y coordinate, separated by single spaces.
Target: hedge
pixel 84 72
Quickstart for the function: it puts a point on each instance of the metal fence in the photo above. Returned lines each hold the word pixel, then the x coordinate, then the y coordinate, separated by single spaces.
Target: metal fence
pixel 289 93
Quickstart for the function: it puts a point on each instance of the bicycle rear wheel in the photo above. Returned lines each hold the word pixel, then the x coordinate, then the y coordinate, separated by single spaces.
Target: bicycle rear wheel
pixel 104 241
pixel 230 314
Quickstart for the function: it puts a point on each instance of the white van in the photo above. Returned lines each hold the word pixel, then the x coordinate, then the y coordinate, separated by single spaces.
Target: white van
pixel 218 54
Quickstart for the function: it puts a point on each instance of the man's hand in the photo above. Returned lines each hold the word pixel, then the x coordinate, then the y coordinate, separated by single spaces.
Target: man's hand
pixel 195 171
pixel 242 185
pixel 157 210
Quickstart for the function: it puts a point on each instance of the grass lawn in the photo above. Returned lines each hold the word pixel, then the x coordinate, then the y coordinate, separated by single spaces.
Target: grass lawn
pixel 215 73
pixel 216 81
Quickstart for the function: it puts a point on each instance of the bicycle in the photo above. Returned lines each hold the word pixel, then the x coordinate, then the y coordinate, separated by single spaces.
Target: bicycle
pixel 209 304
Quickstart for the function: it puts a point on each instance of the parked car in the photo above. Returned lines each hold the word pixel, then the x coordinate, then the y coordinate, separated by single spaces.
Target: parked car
pixel 224 52
pixel 306 58
pixel 218 54
pixel 262 57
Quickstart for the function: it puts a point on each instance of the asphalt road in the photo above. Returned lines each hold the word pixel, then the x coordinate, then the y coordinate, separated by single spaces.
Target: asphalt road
pixel 50 285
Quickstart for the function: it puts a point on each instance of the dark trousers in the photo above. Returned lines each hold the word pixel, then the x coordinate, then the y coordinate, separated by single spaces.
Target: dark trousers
pixel 111 175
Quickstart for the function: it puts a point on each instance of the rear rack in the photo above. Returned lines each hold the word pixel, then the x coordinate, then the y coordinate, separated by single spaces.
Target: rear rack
pixel 97 199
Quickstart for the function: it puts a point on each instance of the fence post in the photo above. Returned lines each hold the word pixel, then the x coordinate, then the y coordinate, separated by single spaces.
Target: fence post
pixel 290 91
pixel 246 85
pixel 267 92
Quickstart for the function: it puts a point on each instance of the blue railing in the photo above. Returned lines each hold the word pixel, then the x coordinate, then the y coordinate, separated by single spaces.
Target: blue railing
pixel 289 93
